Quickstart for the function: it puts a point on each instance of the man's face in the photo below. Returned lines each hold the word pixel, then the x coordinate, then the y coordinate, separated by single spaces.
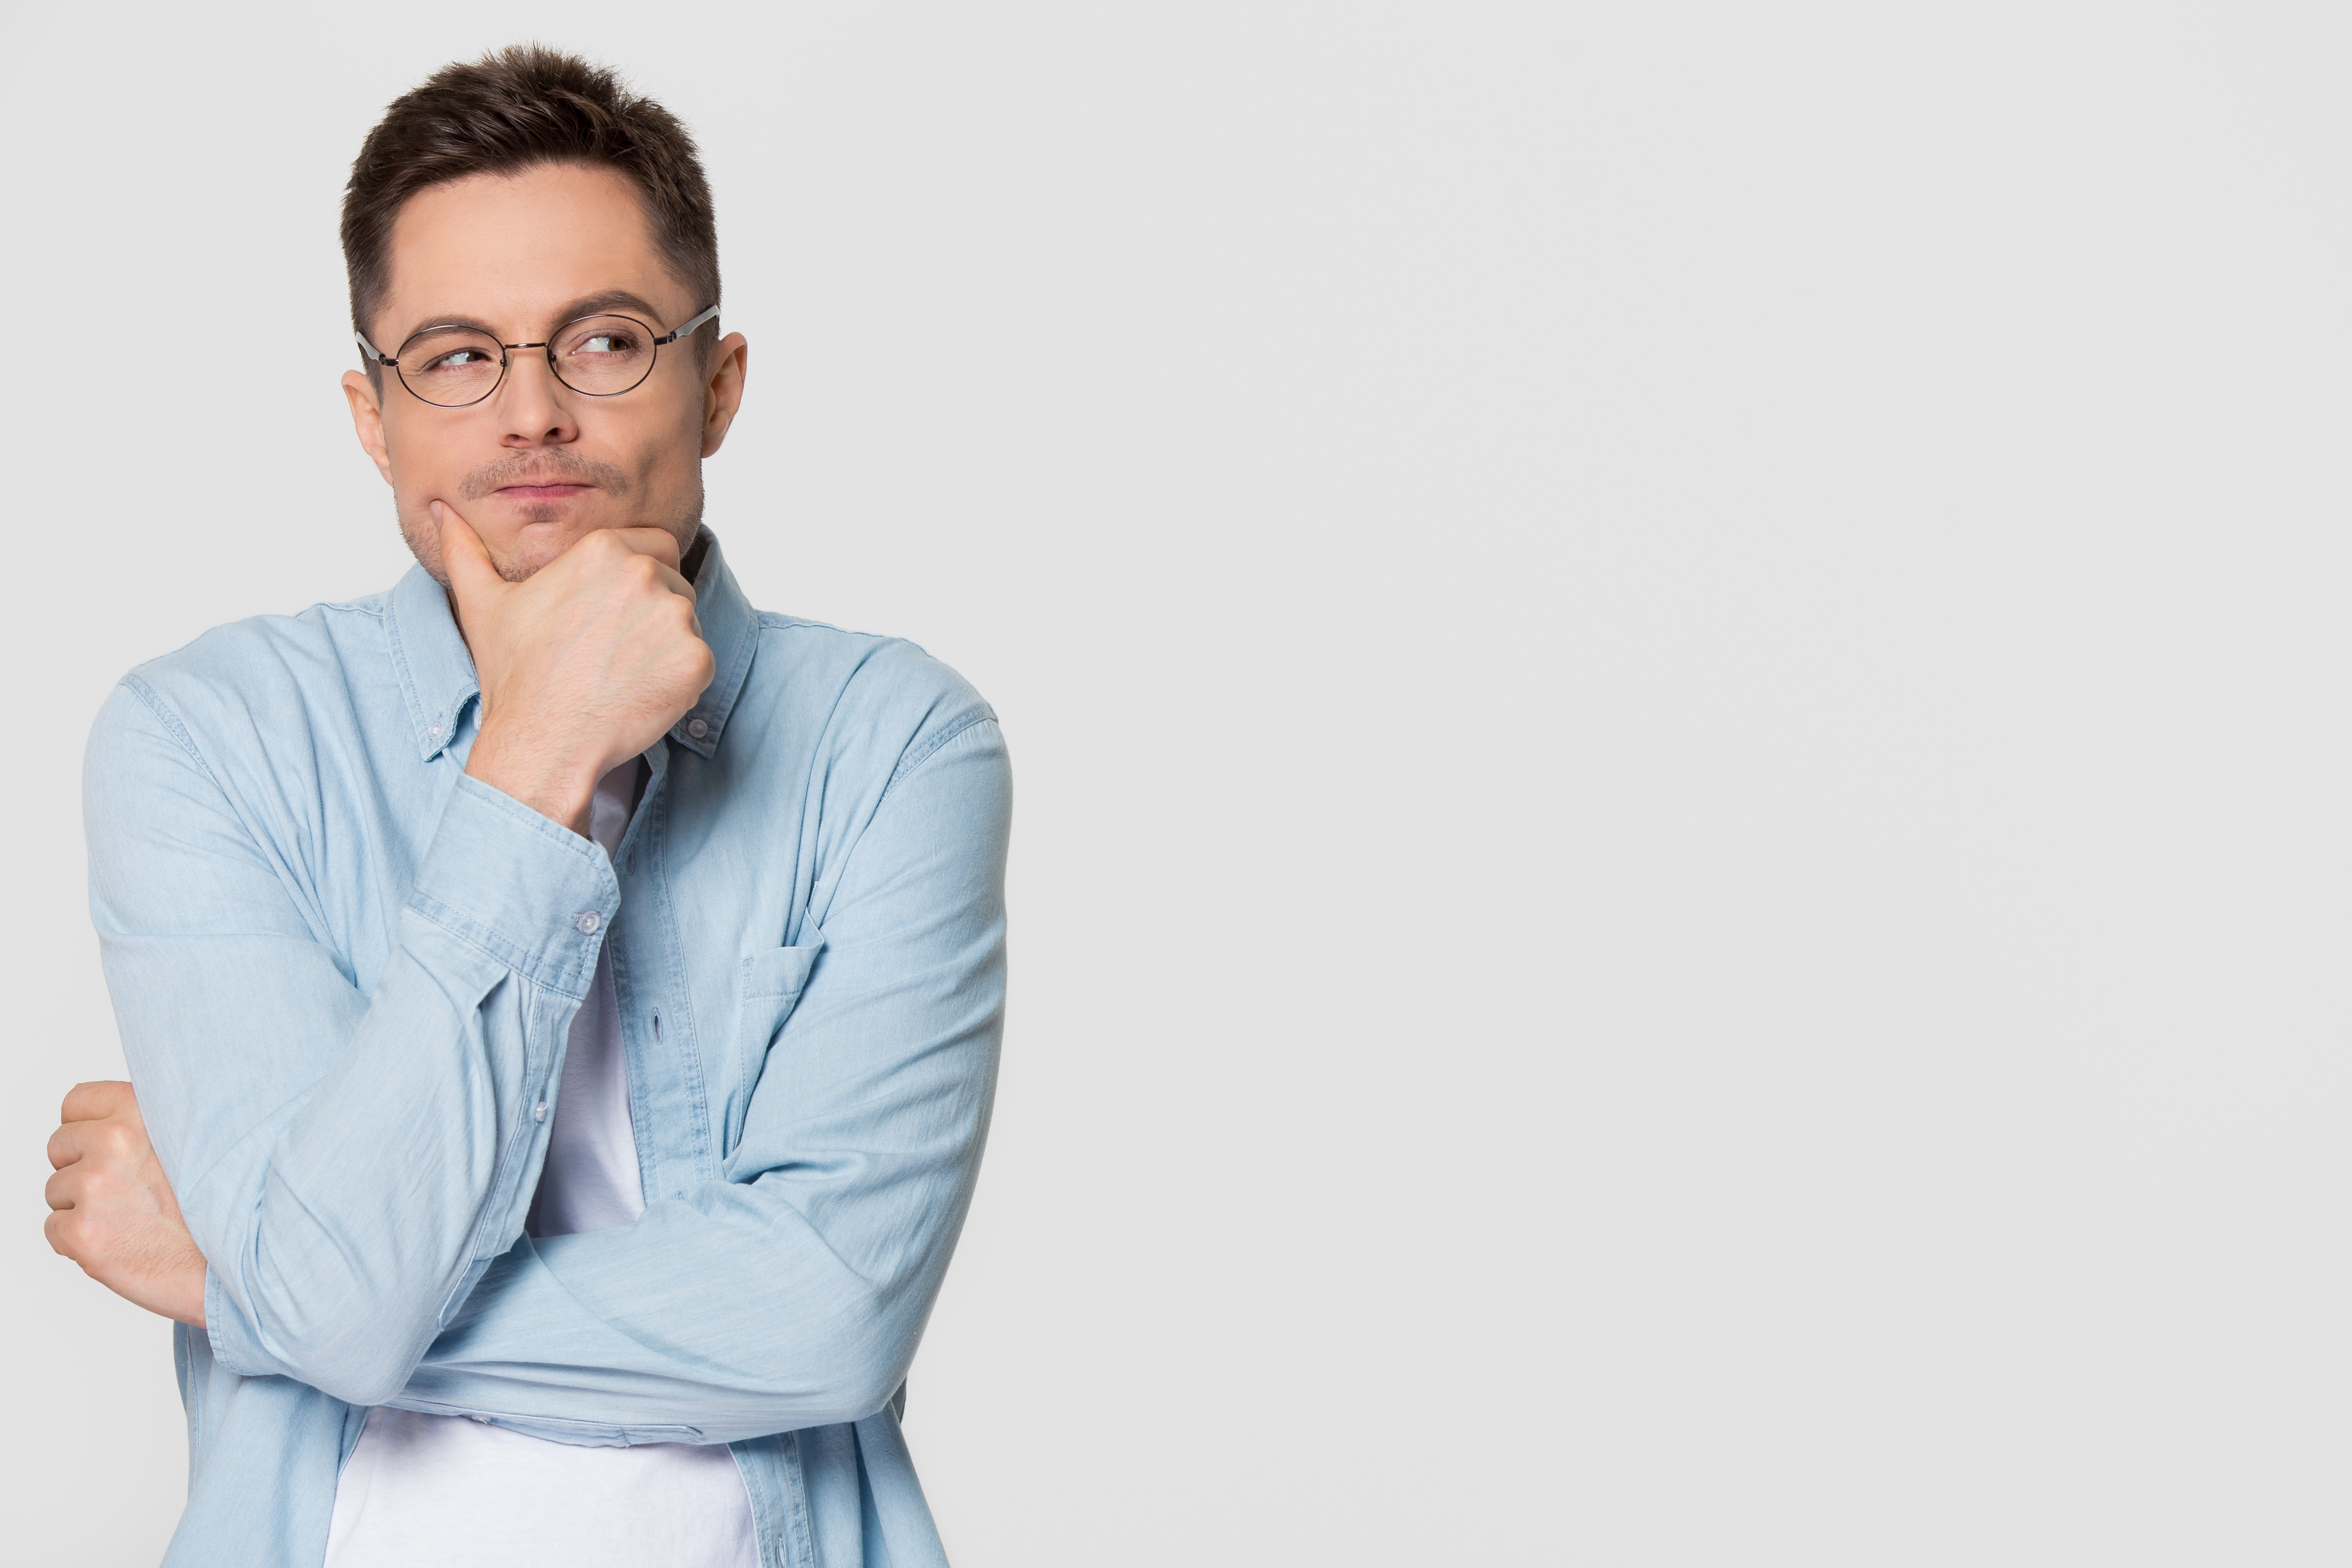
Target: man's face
pixel 536 465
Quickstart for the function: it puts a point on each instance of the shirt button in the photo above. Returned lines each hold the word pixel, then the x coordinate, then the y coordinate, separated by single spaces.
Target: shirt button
pixel 698 729
pixel 588 922
pixel 539 1111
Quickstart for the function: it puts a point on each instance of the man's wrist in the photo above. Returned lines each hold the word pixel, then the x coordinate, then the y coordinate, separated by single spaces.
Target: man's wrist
pixel 561 793
pixel 188 1303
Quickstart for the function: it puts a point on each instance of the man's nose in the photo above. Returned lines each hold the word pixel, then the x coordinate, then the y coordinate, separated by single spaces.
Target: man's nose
pixel 533 405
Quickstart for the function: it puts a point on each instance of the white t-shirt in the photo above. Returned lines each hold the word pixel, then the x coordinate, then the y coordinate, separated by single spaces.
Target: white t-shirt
pixel 446 1489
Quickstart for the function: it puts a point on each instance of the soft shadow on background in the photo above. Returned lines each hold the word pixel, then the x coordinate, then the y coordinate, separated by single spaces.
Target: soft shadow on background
pixel 1675 679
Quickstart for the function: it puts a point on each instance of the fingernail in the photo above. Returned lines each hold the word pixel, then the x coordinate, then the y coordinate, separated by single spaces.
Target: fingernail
pixel 435 507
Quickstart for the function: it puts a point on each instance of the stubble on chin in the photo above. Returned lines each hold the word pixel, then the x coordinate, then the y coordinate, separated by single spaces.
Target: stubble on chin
pixel 423 538
pixel 423 542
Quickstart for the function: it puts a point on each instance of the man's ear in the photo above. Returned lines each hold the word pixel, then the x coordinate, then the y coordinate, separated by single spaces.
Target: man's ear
pixel 367 419
pixel 723 393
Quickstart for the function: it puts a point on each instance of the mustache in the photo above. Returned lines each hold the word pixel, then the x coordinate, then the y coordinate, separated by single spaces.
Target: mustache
pixel 543 469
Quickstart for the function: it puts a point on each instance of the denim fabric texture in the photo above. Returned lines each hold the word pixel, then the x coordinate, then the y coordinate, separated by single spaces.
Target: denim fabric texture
pixel 344 974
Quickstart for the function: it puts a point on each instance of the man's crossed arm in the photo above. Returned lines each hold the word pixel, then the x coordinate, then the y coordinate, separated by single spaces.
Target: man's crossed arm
pixel 357 1209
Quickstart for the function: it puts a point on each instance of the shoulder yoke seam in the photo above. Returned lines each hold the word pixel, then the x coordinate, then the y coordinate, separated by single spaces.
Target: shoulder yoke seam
pixel 171 725
pixel 916 759
pixel 771 621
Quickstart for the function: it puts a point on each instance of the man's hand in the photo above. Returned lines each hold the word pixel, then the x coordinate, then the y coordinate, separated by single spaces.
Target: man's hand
pixel 115 1214
pixel 584 665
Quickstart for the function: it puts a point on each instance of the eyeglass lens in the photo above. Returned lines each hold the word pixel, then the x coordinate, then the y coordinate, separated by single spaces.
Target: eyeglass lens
pixel 599 355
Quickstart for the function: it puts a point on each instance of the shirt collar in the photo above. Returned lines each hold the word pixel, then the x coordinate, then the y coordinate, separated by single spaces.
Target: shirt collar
pixel 436 671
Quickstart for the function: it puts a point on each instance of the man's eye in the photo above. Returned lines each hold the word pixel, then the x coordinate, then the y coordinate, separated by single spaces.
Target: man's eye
pixel 603 344
pixel 457 360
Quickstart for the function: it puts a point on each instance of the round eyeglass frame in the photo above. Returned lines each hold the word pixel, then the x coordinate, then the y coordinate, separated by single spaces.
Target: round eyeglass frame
pixel 378 357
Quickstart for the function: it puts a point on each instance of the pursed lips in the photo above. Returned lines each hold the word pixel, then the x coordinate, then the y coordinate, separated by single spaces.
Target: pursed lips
pixel 541 492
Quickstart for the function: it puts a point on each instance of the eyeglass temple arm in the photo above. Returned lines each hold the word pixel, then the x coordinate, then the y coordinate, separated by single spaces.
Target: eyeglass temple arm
pixel 677 332
pixel 373 354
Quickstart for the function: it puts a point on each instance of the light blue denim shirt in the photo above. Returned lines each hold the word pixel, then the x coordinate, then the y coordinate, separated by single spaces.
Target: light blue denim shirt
pixel 344 974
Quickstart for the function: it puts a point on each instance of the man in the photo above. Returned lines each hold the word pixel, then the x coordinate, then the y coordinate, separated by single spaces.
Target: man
pixel 563 1000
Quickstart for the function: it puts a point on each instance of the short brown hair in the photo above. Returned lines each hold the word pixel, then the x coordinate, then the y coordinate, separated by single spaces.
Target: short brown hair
pixel 516 109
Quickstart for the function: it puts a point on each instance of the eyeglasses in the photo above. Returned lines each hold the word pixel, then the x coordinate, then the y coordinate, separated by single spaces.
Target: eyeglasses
pixel 455 367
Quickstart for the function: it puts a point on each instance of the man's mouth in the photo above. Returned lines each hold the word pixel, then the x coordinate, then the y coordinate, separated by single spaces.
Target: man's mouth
pixel 542 492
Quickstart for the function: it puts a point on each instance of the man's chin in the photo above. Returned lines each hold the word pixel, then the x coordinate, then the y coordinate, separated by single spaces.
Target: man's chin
pixel 534 541
pixel 520 543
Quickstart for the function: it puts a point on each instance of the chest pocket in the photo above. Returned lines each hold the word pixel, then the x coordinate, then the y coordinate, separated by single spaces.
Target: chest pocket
pixel 771 983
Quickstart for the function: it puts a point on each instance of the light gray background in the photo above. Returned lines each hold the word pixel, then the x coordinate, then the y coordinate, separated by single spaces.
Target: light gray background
pixel 1676 672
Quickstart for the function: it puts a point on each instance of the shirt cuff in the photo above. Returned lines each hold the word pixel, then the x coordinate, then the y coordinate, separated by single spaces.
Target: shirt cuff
pixel 234 1345
pixel 529 892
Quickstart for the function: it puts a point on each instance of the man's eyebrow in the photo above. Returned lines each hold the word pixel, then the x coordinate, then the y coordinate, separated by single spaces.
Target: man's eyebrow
pixel 611 300
pixel 449 319
pixel 586 304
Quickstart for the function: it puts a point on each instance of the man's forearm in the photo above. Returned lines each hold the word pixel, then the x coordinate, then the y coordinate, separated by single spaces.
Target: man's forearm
pixel 789 1292
pixel 343 1208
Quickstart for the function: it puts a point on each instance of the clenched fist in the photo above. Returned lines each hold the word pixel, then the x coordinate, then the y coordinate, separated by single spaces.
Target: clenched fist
pixel 112 1210
pixel 584 665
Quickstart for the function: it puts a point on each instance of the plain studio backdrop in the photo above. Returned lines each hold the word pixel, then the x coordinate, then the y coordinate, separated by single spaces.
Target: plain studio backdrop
pixel 1679 892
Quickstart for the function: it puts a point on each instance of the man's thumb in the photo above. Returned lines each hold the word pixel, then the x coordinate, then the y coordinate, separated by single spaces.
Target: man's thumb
pixel 463 557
